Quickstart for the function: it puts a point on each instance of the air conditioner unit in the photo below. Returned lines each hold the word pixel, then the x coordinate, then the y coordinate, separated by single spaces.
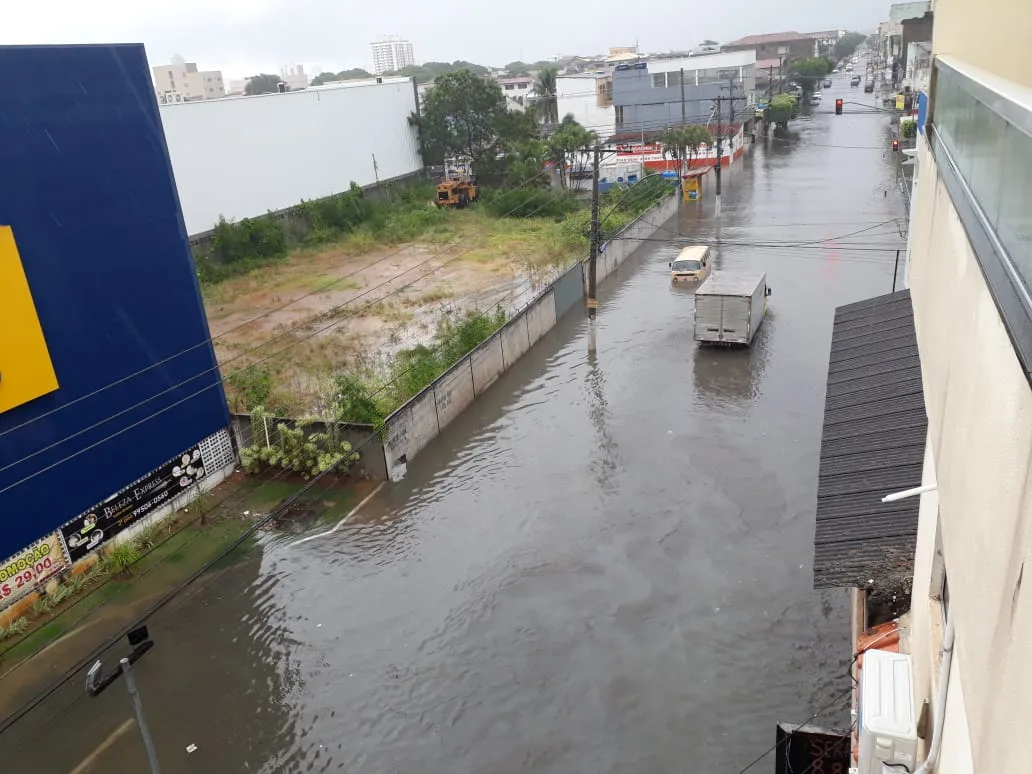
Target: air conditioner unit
pixel 888 728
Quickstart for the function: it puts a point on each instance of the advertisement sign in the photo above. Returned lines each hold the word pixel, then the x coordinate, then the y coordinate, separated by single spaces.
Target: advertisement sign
pixel 120 511
pixel 31 568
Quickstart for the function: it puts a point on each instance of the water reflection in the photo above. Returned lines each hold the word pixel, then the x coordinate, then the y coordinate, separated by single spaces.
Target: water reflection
pixel 731 376
pixel 219 677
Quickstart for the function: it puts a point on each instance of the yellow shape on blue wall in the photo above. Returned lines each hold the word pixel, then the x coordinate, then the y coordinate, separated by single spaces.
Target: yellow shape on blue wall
pixel 26 371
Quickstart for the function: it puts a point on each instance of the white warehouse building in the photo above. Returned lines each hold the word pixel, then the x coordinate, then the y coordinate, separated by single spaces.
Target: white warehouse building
pixel 247 156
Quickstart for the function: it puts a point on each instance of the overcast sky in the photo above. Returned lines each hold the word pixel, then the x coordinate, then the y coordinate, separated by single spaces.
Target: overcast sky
pixel 242 37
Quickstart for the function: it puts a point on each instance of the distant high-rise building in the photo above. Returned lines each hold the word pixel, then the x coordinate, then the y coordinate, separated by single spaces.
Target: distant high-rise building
pixel 182 82
pixel 391 54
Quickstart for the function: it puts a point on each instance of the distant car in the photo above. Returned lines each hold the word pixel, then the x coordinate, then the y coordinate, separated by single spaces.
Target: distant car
pixel 869 87
pixel 815 99
pixel 827 83
pixel 854 81
pixel 849 68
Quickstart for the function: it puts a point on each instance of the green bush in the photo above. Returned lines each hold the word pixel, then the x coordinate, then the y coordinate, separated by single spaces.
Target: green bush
pixel 406 224
pixel 253 385
pixel 296 449
pixel 530 203
pixel 354 401
pixel 122 556
pixel 908 130
pixel 248 238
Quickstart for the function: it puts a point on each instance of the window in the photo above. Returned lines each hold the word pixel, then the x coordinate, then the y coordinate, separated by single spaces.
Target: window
pixel 659 80
pixel 508 87
pixel 521 86
pixel 981 135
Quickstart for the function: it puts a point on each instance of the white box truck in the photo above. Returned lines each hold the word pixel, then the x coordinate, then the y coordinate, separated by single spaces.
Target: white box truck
pixel 729 307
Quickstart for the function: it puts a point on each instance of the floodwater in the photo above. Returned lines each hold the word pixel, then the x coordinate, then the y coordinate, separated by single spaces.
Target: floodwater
pixel 604 565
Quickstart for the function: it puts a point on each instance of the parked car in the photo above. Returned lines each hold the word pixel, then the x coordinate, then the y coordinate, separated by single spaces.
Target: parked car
pixel 869 87
pixel 827 82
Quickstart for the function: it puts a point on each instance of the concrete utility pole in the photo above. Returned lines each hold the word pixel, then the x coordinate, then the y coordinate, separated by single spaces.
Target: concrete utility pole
pixel 130 683
pixel 731 122
pixel 684 111
pixel 594 238
pixel 770 82
pixel 720 145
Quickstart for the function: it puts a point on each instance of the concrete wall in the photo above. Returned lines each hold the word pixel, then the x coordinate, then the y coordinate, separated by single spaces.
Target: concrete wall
pixel 980 432
pixel 370 463
pixel 245 156
pixel 409 429
pixel 991 35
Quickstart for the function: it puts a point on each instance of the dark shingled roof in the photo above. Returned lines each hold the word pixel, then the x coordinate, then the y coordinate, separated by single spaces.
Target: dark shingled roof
pixel 873 444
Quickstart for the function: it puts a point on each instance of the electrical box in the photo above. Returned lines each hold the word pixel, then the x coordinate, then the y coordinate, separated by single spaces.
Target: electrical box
pixel 888 726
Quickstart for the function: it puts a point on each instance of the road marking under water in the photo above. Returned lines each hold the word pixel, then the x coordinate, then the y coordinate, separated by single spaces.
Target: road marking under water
pixel 87 763
pixel 343 521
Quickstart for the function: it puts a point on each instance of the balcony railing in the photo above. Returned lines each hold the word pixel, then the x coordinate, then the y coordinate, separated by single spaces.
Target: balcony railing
pixel 981 137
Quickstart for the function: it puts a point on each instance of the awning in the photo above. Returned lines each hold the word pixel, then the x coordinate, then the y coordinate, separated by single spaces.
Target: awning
pixel 872 445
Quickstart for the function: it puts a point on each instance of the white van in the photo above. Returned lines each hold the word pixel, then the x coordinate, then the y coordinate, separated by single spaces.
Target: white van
pixel 691 264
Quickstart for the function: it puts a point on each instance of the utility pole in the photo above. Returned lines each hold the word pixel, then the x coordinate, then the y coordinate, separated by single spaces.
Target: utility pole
pixel 376 173
pixel 770 82
pixel 731 123
pixel 895 271
pixel 595 237
pixel 781 79
pixel 684 111
pixel 130 683
pixel 720 145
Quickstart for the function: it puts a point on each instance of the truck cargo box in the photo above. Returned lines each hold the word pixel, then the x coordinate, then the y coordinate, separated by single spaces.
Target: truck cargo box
pixel 729 307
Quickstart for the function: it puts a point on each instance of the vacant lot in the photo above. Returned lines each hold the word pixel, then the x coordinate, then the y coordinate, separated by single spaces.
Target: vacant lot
pixel 353 303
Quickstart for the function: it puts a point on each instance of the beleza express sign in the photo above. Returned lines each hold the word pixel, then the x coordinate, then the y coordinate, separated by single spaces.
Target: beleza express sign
pixel 120 511
pixel 27 569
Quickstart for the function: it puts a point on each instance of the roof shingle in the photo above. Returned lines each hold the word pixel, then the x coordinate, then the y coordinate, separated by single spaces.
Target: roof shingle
pixel 872 445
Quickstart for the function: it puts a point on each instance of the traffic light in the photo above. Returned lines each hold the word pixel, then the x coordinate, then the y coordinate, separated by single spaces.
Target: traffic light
pixel 895 146
pixel 838 107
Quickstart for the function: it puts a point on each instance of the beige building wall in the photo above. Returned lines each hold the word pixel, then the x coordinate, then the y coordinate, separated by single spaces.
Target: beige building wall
pixel 993 35
pixel 187 80
pixel 980 437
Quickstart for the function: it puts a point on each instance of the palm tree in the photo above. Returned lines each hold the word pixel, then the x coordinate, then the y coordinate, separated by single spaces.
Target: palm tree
pixel 547 104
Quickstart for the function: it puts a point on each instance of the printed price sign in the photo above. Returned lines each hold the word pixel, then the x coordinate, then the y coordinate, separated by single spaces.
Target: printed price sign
pixel 30 568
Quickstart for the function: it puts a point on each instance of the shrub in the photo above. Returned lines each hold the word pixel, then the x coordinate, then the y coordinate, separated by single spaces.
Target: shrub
pixel 908 129
pixel 531 203
pixel 122 556
pixel 253 386
pixel 14 628
pixel 248 238
pixel 298 450
pixel 354 401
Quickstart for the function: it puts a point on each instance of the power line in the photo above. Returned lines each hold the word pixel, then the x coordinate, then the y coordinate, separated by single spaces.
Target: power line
pixel 211 339
pixel 221 379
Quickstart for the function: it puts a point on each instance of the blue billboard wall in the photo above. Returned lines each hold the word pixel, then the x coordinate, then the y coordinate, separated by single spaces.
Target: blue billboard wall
pixel 88 194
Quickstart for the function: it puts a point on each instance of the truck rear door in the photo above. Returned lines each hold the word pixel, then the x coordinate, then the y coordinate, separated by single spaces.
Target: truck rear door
pixel 734 321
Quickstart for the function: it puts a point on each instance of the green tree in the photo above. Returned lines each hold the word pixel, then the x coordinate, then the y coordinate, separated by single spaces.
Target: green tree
pixel 429 71
pixel 344 75
pixel 546 100
pixel 809 71
pixel 322 78
pixel 570 142
pixel 847 44
pixel 517 68
pixel 780 110
pixel 263 83
pixel 683 142
pixel 462 114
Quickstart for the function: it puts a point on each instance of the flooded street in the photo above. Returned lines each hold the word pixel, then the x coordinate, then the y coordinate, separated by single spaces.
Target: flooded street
pixel 604 565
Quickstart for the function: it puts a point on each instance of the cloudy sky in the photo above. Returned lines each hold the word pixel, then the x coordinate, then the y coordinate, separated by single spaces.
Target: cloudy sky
pixel 242 37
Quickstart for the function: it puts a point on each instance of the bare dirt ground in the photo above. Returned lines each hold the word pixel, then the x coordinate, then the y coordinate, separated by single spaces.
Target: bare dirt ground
pixel 319 311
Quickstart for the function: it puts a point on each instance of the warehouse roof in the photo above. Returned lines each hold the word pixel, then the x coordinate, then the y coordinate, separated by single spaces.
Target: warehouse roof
pixel 872 445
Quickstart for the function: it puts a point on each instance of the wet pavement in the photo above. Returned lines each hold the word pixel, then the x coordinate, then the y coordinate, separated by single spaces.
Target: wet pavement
pixel 604 565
